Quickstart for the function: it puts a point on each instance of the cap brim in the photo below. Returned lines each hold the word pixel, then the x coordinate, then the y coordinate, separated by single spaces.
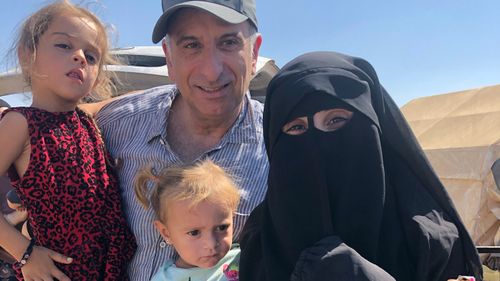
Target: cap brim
pixel 224 13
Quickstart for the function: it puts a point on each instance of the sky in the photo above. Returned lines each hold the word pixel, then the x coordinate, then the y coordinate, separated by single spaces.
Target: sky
pixel 418 47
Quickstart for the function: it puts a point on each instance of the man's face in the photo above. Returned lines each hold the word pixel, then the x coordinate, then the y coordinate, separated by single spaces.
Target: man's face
pixel 211 62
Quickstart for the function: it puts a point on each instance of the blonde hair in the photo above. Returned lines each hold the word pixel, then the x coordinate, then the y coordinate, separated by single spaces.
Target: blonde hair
pixel 203 181
pixel 38 23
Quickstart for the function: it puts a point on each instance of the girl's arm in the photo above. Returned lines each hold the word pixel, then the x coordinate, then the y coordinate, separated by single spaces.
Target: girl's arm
pixel 93 108
pixel 15 150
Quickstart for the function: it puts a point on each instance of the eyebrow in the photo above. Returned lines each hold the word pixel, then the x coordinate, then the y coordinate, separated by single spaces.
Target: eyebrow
pixel 184 38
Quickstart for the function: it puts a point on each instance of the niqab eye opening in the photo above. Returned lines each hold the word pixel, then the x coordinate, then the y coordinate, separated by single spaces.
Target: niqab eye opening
pixel 328 120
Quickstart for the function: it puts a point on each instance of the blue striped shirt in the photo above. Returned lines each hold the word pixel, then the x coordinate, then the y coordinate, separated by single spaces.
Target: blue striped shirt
pixel 134 129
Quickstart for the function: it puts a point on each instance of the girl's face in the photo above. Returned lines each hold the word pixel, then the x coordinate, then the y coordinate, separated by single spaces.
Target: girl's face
pixel 66 64
pixel 201 235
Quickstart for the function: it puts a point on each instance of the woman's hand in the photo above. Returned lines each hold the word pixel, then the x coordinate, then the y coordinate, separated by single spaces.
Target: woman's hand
pixel 40 265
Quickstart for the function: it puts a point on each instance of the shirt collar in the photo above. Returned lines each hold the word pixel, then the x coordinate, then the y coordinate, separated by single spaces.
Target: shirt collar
pixel 159 123
pixel 245 129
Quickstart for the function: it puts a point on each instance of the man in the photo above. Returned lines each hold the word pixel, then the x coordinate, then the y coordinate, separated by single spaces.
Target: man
pixel 211 50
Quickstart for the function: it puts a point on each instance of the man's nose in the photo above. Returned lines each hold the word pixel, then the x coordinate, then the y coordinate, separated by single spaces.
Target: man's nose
pixel 212 64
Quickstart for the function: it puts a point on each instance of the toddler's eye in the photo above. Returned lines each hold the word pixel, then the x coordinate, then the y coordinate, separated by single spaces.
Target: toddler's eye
pixel 222 228
pixel 193 233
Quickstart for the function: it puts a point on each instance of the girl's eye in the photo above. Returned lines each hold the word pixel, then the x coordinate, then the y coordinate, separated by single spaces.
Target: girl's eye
pixel 296 127
pixel 193 233
pixel 63 46
pixel 91 59
pixel 222 228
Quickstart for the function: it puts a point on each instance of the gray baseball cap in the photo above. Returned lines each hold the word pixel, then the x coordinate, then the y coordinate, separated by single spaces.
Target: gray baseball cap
pixel 231 11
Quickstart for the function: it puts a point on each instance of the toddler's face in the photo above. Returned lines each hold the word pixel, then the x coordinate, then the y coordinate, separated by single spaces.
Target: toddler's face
pixel 201 235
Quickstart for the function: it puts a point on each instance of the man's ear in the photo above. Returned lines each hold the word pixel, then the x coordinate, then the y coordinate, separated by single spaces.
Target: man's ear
pixel 162 229
pixel 255 53
pixel 168 59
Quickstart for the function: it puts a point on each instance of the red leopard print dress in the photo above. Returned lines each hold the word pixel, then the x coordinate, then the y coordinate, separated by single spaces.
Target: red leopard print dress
pixel 72 196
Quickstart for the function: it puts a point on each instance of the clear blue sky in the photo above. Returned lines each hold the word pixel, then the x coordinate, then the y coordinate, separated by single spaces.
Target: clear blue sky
pixel 418 47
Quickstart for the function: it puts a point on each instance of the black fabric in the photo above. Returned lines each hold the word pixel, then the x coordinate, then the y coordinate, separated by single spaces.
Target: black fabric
pixel 368 184
pixel 332 259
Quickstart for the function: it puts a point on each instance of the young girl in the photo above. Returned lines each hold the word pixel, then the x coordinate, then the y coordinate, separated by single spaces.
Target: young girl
pixel 55 156
pixel 194 206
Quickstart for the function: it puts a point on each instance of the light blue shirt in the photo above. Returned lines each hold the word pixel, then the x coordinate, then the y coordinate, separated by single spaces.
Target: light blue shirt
pixel 226 268
pixel 134 130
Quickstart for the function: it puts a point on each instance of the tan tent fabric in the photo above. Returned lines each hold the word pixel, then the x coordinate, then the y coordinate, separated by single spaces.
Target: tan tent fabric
pixel 460 134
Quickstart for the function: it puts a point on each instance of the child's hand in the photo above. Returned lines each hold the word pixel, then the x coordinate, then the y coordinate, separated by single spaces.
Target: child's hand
pixel 40 265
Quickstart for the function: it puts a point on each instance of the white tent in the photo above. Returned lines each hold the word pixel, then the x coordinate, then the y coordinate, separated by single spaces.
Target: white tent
pixel 460 134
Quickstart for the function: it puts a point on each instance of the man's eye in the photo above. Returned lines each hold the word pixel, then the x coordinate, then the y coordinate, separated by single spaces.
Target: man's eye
pixel 231 43
pixel 192 45
pixel 193 233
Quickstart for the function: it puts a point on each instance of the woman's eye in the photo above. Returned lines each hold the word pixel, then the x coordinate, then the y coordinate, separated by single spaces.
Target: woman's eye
pixel 336 120
pixel 296 127
pixel 193 233
pixel 332 119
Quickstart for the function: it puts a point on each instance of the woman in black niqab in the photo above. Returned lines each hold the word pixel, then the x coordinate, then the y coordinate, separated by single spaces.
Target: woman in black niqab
pixel 351 195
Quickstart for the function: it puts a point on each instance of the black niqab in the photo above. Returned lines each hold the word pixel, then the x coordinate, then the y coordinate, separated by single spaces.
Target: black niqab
pixel 366 186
